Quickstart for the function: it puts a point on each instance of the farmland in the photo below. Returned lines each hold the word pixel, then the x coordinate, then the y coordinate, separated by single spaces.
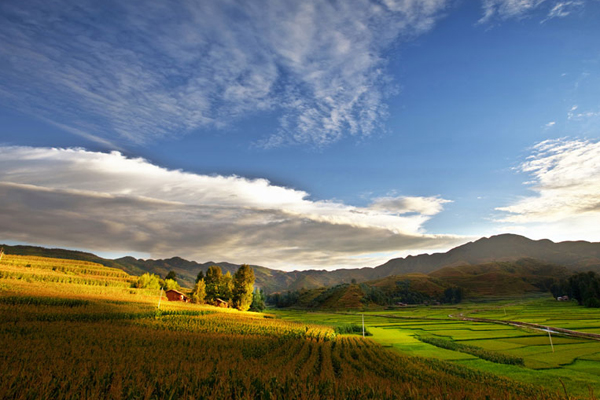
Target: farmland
pixel 73 329
pixel 574 361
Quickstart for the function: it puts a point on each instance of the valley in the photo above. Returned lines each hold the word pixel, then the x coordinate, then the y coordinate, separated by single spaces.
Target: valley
pixel 73 328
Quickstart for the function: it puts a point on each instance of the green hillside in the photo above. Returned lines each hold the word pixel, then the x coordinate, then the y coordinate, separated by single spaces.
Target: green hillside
pixel 446 285
pixel 502 278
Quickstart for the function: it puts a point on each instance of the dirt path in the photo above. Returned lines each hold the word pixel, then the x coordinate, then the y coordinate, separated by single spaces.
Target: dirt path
pixel 519 324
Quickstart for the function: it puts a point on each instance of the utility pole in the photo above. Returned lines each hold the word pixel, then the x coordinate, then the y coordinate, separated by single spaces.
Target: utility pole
pixel 159 298
pixel 550 336
pixel 1 253
pixel 363 319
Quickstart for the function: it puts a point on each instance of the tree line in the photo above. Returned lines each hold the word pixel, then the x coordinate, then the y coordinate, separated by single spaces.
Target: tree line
pixel 400 293
pixel 152 281
pixel 237 291
pixel 583 287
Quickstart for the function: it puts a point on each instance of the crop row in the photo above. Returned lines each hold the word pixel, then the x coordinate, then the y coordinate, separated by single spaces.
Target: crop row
pixel 47 301
pixel 65 266
pixel 33 277
pixel 473 350
pixel 238 323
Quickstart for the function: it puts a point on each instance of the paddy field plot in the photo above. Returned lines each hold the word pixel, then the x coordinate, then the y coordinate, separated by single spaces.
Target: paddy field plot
pixel 575 361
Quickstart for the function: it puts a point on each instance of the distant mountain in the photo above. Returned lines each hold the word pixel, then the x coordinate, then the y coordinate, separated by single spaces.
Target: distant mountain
pixel 574 256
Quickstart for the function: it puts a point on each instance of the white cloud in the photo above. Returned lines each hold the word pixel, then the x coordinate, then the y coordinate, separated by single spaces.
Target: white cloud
pixel 107 202
pixel 566 181
pixel 407 204
pixel 550 124
pixel 148 70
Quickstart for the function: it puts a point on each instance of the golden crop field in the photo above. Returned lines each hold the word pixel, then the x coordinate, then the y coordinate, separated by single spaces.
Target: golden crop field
pixel 65 339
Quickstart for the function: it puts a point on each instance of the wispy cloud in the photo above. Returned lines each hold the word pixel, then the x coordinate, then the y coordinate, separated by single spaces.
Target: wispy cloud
pixel 565 177
pixel 505 9
pixel 142 71
pixel 107 202
pixel 563 9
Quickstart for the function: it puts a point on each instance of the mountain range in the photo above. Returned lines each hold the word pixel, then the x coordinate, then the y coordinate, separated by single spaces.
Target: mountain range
pixel 501 250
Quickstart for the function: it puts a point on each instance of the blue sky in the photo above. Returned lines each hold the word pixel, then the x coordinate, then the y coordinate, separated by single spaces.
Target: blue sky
pixel 294 135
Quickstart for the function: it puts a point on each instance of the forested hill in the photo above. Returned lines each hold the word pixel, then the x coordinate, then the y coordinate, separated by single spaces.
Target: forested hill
pixel 575 256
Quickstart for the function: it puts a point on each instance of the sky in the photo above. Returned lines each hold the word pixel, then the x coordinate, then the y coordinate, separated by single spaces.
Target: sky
pixel 297 135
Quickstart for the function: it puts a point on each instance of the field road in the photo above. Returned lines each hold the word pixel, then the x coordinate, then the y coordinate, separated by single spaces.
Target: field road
pixel 519 324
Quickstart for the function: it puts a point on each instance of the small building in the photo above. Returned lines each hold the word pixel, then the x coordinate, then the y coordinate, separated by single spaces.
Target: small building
pixel 175 295
pixel 221 303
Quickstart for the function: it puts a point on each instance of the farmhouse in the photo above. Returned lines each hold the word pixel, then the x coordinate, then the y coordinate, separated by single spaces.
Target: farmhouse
pixel 221 303
pixel 174 295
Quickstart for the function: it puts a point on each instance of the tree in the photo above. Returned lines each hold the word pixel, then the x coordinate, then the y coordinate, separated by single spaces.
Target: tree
pixel 258 300
pixel 200 276
pixel 171 275
pixel 453 295
pixel 243 286
pixel 148 281
pixel 213 282
pixel 585 288
pixel 199 293
pixel 171 284
pixel 226 287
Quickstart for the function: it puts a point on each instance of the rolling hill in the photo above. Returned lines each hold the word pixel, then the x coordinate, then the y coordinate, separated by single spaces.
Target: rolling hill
pixel 506 248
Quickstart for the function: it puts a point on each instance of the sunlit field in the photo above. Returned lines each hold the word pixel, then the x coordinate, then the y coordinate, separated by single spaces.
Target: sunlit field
pixel 71 329
pixel 574 361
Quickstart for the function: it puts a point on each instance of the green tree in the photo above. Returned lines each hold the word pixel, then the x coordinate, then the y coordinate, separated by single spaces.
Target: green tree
pixel 171 275
pixel 147 281
pixel 258 300
pixel 243 286
pixel 213 278
pixel 453 295
pixel 171 284
pixel 585 288
pixel 199 293
pixel 200 276
pixel 226 287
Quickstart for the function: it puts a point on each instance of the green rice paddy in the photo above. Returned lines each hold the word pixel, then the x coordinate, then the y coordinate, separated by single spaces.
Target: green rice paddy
pixel 575 361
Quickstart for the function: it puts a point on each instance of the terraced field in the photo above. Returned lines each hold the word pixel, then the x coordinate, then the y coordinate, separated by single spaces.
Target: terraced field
pixel 92 336
pixel 574 361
